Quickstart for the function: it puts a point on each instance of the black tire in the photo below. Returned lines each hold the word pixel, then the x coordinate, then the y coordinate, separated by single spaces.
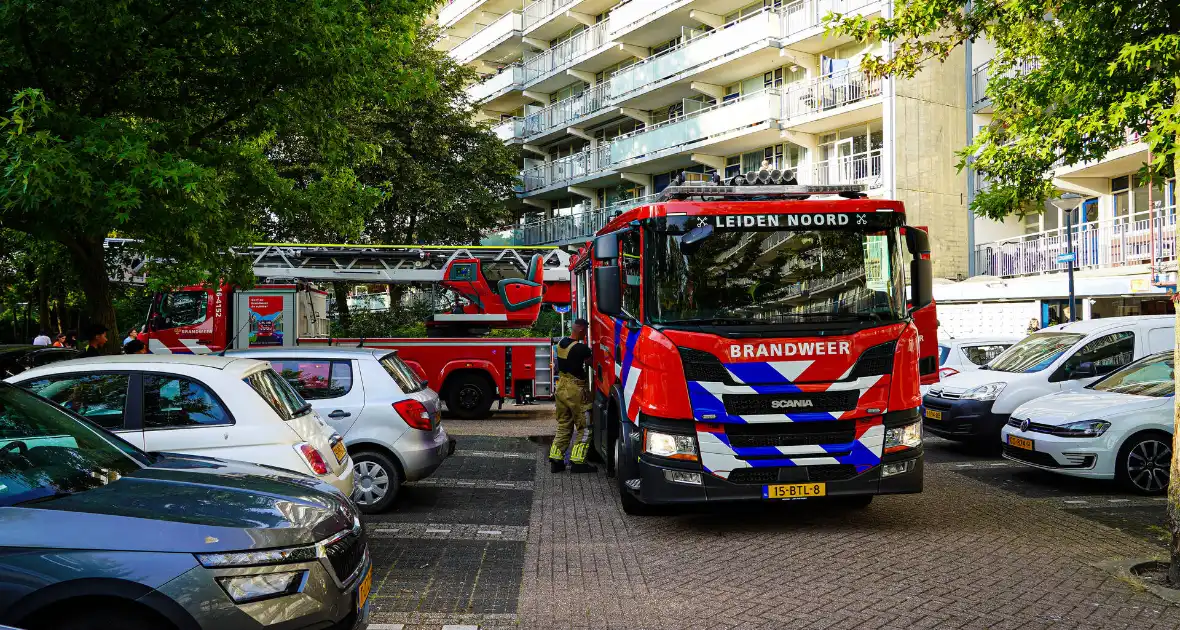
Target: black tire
pixel 470 396
pixel 1144 463
pixel 377 481
pixel 114 617
pixel 625 469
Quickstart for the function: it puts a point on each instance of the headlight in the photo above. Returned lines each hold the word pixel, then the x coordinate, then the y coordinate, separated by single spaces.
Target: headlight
pixel 903 437
pixel 258 558
pixel 670 446
pixel 1085 428
pixel 985 392
pixel 244 589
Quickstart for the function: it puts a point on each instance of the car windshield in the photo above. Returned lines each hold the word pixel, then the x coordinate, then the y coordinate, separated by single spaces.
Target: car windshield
pixel 46 453
pixel 1152 376
pixel 402 374
pixel 762 269
pixel 278 393
pixel 1035 352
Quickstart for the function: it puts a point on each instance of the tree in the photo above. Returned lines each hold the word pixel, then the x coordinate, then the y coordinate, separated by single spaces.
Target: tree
pixel 1069 79
pixel 155 120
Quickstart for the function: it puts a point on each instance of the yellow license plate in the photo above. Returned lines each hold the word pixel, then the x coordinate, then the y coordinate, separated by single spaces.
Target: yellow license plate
pixel 933 415
pixel 339 451
pixel 362 591
pixel 1020 442
pixel 794 490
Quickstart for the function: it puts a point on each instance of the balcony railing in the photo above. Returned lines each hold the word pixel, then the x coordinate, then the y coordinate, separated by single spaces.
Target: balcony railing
pixel 628 15
pixel 709 47
pixel 566 53
pixel 454 10
pixel 488 37
pixel 981 76
pixel 541 9
pixel 566 169
pixel 802 15
pixel 560 113
pixel 828 92
pixel 509 130
pixel 509 78
pixel 857 168
pixel 1125 240
pixel 716 120
pixel 582 223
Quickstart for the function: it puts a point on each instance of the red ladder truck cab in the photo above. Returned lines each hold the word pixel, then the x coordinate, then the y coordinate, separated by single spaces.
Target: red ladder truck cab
pixel 754 342
pixel 494 288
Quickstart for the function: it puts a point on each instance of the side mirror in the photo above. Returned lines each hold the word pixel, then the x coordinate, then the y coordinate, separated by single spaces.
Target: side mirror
pixel 921 284
pixel 691 242
pixel 608 293
pixel 917 241
pixel 606 247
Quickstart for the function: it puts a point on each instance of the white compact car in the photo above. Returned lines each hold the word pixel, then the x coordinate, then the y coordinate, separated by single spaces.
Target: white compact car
pixel 221 407
pixel 964 355
pixel 1119 427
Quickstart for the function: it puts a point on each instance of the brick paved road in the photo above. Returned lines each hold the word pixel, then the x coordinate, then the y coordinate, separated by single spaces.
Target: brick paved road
pixel 987 545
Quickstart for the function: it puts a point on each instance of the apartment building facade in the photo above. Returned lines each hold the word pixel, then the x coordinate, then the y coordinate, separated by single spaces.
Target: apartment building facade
pixel 607 101
pixel 1123 237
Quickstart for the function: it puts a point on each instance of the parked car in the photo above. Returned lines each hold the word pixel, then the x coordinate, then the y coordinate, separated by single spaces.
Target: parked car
pixel 973 406
pixel 967 354
pixel 1119 427
pixel 99 535
pixel 223 407
pixel 389 417
pixel 15 359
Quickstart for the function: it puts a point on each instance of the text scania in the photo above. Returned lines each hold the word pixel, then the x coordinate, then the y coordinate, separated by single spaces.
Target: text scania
pixel 790 349
pixel 781 220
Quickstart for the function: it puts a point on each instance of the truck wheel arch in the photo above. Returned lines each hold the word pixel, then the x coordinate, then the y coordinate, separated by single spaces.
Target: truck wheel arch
pixel 469 365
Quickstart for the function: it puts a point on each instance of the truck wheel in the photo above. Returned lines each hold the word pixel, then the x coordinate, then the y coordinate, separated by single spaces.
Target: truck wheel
pixel 376 482
pixel 1143 464
pixel 469 396
pixel 624 470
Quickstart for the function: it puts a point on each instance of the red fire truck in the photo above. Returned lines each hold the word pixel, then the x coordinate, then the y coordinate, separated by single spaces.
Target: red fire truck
pixel 496 287
pixel 753 340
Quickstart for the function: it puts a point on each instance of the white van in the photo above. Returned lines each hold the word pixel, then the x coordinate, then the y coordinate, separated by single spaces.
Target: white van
pixel 974 406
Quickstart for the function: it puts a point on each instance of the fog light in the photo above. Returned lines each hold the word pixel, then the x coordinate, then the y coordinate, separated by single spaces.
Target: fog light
pixel 897 468
pixel 677 476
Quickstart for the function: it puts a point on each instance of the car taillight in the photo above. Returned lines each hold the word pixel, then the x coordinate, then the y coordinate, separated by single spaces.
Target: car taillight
pixel 314 459
pixel 946 371
pixel 414 413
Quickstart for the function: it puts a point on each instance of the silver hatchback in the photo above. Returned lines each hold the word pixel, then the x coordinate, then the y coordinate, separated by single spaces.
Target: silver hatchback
pixel 389 417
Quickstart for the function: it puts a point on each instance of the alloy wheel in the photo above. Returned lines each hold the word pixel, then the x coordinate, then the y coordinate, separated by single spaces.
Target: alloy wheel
pixel 1148 465
pixel 372 483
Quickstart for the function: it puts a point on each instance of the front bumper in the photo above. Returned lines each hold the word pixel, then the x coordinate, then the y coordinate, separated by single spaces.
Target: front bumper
pixel 962 419
pixel 422 452
pixel 322 603
pixel 342 482
pixel 1078 457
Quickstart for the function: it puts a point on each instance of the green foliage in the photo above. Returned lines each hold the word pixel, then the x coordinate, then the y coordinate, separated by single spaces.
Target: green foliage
pixel 1069 79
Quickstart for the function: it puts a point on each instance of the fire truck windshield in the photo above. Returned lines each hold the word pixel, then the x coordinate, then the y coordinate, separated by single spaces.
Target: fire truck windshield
pixel 764 269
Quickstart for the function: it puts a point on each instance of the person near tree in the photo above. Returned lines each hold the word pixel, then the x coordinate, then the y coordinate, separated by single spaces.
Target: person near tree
pixel 42 339
pixel 96 338
pixel 573 403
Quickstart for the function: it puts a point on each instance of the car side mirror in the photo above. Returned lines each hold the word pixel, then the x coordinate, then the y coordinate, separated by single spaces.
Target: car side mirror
pixel 691 242
pixel 921 284
pixel 608 291
pixel 606 247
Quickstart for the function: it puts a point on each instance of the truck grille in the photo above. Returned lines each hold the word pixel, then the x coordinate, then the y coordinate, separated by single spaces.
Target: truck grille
pixel 757 404
pixel 793 474
pixel 791 433
pixel 345 555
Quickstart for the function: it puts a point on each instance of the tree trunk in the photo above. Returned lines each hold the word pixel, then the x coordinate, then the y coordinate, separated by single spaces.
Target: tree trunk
pixel 89 260
pixel 343 316
pixel 1174 479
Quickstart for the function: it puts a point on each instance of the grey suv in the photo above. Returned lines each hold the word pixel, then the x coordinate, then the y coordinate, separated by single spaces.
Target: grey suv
pixel 98 535
pixel 389 417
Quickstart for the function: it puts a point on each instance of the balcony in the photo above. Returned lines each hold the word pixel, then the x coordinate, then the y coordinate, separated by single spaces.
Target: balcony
pixel 538 11
pixel 818 97
pixel 857 168
pixel 696 128
pixel 493 41
pixel 455 10
pixel 981 76
pixel 709 48
pixel 557 116
pixel 565 54
pixel 509 131
pixel 565 170
pixel 804 19
pixel 509 79
pixel 634 14
pixel 580 225
pixel 1126 240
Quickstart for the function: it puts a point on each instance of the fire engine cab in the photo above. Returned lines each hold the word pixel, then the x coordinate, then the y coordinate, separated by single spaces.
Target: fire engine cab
pixel 753 340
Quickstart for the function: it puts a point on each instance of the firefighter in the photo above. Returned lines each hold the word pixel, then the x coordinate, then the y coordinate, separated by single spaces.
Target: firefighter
pixel 573 402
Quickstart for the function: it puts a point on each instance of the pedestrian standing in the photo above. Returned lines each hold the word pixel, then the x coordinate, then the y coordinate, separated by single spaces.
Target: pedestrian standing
pixel 42 339
pixel 573 403
pixel 96 337
pixel 134 334
pixel 60 342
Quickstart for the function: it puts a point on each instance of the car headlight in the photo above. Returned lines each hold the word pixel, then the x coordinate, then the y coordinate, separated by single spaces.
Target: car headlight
pixel 903 437
pixel 670 445
pixel 1085 428
pixel 985 392
pixel 306 553
pixel 244 589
